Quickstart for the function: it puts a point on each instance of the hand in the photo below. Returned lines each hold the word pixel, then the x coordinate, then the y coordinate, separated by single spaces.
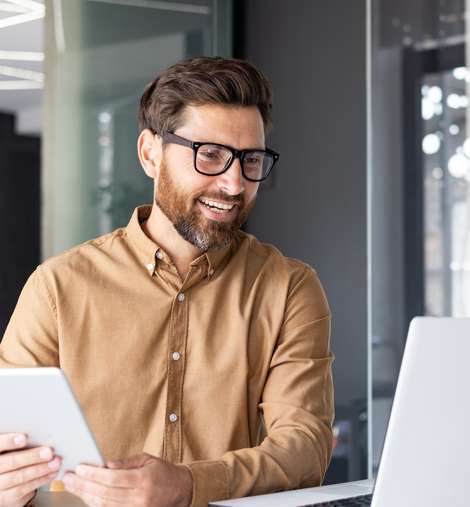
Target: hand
pixel 142 480
pixel 22 472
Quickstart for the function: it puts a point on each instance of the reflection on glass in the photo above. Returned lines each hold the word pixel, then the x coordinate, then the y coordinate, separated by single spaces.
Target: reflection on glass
pixel 447 197
pixel 409 37
pixel 110 51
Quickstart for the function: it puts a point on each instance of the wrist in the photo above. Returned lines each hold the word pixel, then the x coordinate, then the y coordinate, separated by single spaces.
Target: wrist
pixel 186 486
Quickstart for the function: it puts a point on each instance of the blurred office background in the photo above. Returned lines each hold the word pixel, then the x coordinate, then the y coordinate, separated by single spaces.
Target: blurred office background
pixel 372 187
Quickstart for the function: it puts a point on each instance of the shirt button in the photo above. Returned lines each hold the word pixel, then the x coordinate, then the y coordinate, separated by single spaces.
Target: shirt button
pixel 149 266
pixel 173 417
pixel 176 356
pixel 160 255
pixel 211 272
pixel 181 297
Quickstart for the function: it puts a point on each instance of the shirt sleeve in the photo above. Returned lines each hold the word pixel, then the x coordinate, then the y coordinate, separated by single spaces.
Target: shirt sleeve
pixel 297 406
pixel 31 338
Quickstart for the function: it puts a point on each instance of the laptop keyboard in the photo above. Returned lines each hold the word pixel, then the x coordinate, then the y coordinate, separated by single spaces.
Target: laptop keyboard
pixel 353 501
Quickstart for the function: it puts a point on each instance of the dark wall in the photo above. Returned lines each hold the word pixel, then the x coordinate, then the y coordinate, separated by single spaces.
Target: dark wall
pixel 314 54
pixel 19 212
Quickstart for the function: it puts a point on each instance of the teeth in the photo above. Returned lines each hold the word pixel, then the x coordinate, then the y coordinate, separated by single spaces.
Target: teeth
pixel 218 205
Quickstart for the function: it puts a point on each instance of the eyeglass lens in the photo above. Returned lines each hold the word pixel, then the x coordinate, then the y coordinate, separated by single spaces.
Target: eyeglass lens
pixel 212 159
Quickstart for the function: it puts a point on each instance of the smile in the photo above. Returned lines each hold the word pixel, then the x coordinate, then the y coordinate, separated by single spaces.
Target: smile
pixel 218 207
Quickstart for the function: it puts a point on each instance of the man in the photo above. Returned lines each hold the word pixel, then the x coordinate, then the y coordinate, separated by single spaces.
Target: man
pixel 199 356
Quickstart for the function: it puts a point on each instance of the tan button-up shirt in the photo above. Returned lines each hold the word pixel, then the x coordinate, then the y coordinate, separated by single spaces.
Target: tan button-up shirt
pixel 228 373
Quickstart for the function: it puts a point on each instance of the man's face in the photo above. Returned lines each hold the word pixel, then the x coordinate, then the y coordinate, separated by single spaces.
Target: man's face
pixel 207 211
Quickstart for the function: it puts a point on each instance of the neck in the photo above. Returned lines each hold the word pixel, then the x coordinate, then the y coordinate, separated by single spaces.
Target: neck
pixel 160 230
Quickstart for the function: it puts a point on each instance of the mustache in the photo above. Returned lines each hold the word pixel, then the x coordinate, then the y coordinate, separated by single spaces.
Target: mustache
pixel 233 199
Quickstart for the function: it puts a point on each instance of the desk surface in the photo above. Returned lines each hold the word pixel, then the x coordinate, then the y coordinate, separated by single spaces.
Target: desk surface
pixel 321 494
pixel 56 499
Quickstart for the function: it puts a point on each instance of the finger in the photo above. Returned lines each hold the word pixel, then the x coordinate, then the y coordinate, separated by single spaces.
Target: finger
pixel 27 498
pixel 11 441
pixel 136 461
pixel 15 460
pixel 111 493
pixel 12 495
pixel 26 474
pixel 116 464
pixel 93 500
pixel 116 478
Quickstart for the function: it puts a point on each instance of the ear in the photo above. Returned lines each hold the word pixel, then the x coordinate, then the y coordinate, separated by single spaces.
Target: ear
pixel 149 149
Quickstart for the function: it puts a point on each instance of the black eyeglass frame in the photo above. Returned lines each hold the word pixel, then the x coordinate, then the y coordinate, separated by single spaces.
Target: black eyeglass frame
pixel 174 139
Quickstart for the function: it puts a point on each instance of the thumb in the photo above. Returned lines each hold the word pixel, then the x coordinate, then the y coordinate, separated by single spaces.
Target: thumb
pixel 135 461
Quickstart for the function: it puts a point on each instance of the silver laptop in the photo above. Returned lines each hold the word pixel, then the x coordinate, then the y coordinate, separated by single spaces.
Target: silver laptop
pixel 426 457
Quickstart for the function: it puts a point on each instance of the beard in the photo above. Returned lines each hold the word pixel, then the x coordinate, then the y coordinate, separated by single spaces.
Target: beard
pixel 184 214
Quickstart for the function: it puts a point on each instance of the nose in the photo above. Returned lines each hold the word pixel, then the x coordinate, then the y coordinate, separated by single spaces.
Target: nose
pixel 231 181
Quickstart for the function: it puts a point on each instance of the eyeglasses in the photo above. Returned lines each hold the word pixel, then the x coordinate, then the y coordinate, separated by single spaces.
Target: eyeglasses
pixel 213 159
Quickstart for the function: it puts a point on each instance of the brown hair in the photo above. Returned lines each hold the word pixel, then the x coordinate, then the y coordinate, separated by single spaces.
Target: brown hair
pixel 199 81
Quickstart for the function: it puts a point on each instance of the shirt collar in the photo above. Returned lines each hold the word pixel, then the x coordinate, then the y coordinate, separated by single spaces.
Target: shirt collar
pixel 149 252
pixel 146 249
pixel 216 258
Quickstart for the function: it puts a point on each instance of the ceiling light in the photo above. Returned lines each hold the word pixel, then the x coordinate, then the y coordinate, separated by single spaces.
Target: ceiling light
pixel 438 173
pixel 104 117
pixel 427 108
pixel 21 18
pixel 435 94
pixel 29 4
pixel 431 144
pixel 166 6
pixel 466 147
pixel 458 166
pixel 29 56
pixel 59 27
pixel 460 72
pixel 20 85
pixel 12 8
pixel 21 73
pixel 453 101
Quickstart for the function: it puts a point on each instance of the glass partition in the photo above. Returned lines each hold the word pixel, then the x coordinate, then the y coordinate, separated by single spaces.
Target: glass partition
pixel 104 53
pixel 446 167
pixel 420 204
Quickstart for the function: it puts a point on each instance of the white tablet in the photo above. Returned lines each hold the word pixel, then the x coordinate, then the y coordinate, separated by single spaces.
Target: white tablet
pixel 40 403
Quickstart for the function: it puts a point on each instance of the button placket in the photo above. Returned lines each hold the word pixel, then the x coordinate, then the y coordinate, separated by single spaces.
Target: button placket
pixel 177 342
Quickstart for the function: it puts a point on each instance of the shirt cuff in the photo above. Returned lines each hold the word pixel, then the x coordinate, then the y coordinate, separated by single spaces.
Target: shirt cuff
pixel 210 482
